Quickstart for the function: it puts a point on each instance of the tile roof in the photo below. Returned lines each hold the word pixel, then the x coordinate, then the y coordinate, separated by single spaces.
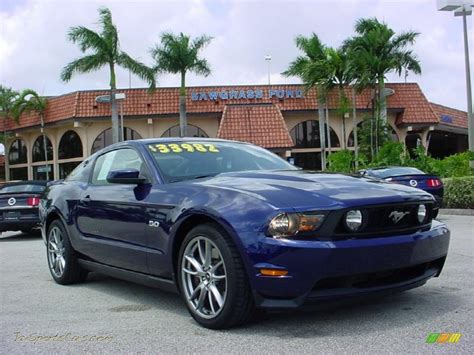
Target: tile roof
pixel 408 98
pixel 450 116
pixel 262 125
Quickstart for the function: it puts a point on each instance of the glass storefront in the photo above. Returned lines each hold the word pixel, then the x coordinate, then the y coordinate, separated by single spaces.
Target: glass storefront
pixel 39 172
pixel 18 174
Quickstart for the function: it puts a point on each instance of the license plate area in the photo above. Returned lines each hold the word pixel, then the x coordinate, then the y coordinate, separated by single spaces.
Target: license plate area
pixel 11 215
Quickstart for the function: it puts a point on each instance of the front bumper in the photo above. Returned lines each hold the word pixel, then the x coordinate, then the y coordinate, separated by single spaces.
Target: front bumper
pixel 327 270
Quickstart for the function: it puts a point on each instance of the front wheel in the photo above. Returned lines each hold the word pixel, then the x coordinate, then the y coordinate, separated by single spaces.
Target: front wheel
pixel 62 259
pixel 212 278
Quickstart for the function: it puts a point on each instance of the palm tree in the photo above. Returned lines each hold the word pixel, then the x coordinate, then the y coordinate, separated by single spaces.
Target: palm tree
pixel 339 75
pixel 178 54
pixel 311 68
pixel 377 50
pixel 30 101
pixel 104 49
pixel 7 102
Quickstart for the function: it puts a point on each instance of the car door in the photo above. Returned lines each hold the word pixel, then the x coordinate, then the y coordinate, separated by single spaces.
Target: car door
pixel 112 217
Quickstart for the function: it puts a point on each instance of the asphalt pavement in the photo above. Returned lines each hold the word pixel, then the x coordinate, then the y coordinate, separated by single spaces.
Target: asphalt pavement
pixel 106 315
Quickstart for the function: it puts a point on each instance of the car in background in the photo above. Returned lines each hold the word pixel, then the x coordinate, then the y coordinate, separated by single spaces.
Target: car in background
pixel 232 226
pixel 410 177
pixel 19 205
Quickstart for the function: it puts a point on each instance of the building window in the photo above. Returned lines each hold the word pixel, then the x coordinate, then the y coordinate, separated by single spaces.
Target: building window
pixel 39 172
pixel 38 149
pixel 70 146
pixel 104 138
pixel 306 135
pixel 18 153
pixel 66 168
pixel 19 174
pixel 191 131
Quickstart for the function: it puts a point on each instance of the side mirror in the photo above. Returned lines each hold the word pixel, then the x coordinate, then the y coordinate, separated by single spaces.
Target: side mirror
pixel 125 176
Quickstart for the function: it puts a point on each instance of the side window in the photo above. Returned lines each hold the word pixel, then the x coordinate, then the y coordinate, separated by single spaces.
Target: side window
pixel 116 160
pixel 80 172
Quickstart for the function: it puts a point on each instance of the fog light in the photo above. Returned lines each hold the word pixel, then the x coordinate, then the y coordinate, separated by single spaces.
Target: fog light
pixel 353 220
pixel 421 213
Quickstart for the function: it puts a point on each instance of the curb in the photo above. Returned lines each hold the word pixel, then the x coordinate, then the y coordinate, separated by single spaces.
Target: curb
pixel 456 212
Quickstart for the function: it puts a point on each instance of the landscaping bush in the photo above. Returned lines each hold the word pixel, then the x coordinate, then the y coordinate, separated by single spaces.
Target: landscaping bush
pixel 341 161
pixel 459 192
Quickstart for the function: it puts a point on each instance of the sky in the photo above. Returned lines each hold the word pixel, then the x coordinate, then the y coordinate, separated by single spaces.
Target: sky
pixel 34 47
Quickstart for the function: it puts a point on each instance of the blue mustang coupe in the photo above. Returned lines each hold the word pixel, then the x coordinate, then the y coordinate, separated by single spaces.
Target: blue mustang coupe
pixel 233 227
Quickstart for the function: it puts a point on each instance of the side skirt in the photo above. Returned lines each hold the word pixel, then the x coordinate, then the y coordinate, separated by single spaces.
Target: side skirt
pixel 136 277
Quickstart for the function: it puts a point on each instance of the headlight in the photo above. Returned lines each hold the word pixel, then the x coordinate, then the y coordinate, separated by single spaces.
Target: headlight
pixel 421 213
pixel 290 224
pixel 353 220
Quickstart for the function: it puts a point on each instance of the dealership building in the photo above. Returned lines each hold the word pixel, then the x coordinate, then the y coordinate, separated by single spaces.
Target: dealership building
pixel 281 118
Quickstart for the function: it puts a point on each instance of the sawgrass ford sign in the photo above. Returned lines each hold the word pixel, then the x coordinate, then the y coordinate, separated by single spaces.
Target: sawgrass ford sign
pixel 241 94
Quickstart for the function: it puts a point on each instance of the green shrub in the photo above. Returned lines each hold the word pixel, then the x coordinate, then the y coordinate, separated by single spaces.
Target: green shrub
pixel 459 192
pixel 341 161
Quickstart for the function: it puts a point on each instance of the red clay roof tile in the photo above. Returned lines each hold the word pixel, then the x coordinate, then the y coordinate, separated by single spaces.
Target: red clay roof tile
pixel 450 116
pixel 262 125
pixel 408 98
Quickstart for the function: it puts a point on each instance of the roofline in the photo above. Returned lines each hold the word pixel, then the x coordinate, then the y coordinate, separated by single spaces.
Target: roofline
pixel 447 107
pixel 204 86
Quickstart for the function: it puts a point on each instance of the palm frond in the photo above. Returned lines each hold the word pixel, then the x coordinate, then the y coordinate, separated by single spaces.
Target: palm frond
pixel 29 101
pixel 87 39
pixel 138 68
pixel 85 64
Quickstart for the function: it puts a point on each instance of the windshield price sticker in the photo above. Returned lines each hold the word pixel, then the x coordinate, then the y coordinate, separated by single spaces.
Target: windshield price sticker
pixel 183 147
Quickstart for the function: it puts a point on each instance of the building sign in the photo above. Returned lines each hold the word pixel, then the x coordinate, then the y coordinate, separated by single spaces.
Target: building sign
pixel 446 119
pixel 255 94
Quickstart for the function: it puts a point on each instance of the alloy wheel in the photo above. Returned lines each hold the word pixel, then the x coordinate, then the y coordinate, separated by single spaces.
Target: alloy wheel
pixel 56 252
pixel 204 277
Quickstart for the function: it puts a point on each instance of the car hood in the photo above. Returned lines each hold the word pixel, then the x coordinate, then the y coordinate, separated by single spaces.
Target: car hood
pixel 303 189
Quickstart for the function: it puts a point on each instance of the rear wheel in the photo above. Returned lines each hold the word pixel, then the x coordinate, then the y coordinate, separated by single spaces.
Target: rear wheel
pixel 212 279
pixel 62 260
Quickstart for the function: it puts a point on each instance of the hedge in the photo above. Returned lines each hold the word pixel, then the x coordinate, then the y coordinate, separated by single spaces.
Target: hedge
pixel 459 192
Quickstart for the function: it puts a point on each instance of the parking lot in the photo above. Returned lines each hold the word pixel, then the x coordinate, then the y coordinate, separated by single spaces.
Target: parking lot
pixel 112 316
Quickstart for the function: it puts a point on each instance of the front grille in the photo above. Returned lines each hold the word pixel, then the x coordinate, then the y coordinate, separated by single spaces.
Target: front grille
pixel 393 219
pixel 378 279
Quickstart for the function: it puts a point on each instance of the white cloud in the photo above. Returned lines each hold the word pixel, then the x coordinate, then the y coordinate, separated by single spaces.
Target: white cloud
pixel 34 48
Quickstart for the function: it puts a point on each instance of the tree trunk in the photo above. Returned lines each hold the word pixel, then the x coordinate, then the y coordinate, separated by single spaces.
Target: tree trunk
pixel 343 119
pixel 328 128
pixel 183 123
pixel 354 128
pixel 321 131
pixel 113 105
pixel 45 147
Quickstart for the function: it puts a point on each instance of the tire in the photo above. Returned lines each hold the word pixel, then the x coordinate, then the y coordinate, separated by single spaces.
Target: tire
pixel 62 260
pixel 235 304
pixel 435 213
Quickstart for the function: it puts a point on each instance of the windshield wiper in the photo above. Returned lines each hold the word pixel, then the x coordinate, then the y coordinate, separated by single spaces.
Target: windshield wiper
pixel 204 176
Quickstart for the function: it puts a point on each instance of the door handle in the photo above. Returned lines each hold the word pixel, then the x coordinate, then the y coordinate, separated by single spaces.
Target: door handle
pixel 85 200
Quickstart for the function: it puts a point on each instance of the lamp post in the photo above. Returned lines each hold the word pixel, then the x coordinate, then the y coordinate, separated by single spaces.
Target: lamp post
pixel 119 96
pixel 268 59
pixel 463 8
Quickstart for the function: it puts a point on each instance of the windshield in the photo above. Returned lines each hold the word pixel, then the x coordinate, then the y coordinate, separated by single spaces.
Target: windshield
pixel 384 173
pixel 22 188
pixel 179 161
